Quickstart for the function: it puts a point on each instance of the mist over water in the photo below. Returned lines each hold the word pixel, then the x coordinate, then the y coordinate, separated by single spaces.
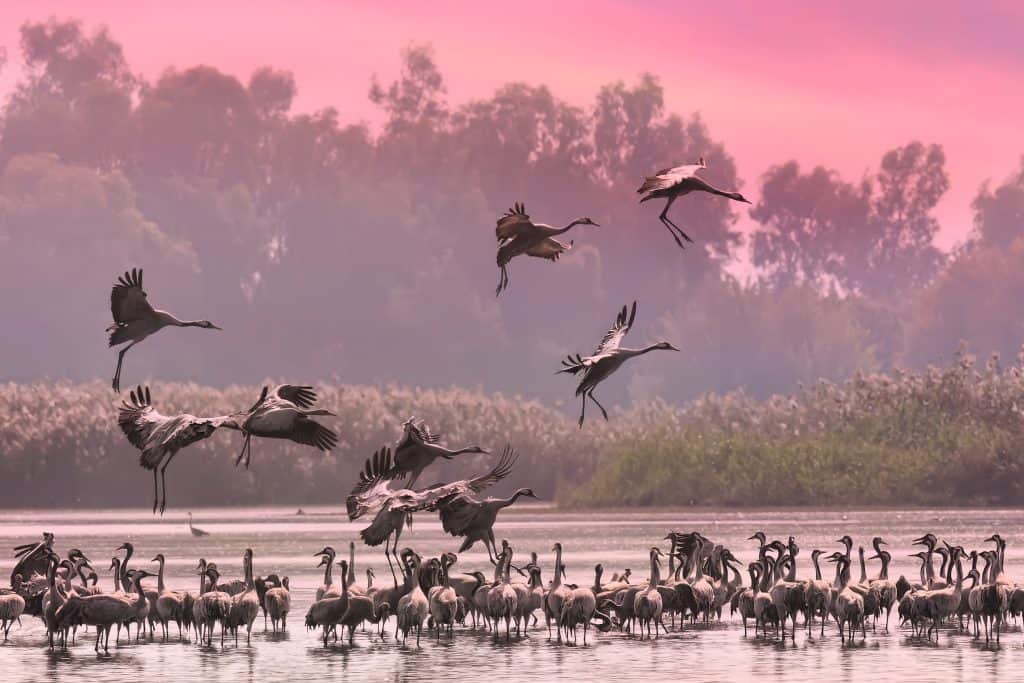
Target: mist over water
pixel 284 543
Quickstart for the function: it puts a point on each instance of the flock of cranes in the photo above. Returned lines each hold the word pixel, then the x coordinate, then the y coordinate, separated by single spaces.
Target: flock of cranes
pixel 701 580
pixel 64 593
pixel 287 411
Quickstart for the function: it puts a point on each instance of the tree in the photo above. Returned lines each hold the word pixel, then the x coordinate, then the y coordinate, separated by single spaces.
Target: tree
pixel 999 213
pixel 76 100
pixel 810 224
pixel 902 255
pixel 870 238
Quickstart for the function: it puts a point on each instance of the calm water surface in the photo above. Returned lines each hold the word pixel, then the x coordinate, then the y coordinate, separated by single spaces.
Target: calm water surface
pixel 284 543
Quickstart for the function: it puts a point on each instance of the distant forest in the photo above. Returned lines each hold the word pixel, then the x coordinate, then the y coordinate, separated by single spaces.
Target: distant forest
pixel 332 253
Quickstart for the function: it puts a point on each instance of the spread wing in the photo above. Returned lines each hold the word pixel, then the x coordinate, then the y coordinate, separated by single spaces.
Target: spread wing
pixel 550 249
pixel 128 300
pixel 610 342
pixel 416 434
pixel 309 432
pixel 499 472
pixel 432 497
pixel 667 177
pixel 613 338
pixel 513 223
pixel 302 396
pixel 371 490
pixel 158 435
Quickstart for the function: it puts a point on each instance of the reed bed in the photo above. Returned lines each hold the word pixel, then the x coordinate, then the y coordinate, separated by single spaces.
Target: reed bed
pixel 940 436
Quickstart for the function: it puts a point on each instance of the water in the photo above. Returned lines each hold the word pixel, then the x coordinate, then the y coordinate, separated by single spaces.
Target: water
pixel 284 543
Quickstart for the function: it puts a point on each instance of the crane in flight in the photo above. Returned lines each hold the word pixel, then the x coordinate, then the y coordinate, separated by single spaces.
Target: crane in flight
pixel 285 413
pixel 606 359
pixel 372 493
pixel 517 234
pixel 672 183
pixel 419 447
pixel 135 319
pixel 160 436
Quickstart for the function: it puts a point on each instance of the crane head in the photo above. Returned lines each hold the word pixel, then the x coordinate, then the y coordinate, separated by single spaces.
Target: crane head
pixel 207 325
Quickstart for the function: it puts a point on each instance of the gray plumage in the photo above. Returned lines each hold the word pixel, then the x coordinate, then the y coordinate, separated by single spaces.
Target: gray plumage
pixel 474 519
pixel 606 359
pixel 285 413
pixel 672 183
pixel 419 448
pixel 135 319
pixel 517 235
pixel 160 437
pixel 372 494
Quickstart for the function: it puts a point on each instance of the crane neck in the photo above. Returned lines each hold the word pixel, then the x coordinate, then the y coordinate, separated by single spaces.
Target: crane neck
pixel 351 578
pixel 174 321
pixel 817 567
pixel 117 575
pixel 249 583
pixel 160 577
pixel 557 581
pixel 567 228
pixel 655 577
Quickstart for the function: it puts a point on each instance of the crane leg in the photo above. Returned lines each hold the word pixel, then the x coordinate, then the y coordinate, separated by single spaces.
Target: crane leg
pixel 583 410
pixel 502 281
pixel 120 360
pixel 387 556
pixel 156 491
pixel 603 411
pixel 672 228
pixel 163 486
pixel 246 446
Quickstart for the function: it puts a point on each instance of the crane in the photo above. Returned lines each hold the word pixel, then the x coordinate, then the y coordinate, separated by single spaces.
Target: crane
pixel 672 183
pixel 285 413
pixel 517 234
pixel 419 448
pixel 160 437
pixel 372 494
pixel 606 359
pixel 135 319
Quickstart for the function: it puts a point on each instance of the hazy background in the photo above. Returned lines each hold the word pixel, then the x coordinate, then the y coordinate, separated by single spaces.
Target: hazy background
pixel 323 182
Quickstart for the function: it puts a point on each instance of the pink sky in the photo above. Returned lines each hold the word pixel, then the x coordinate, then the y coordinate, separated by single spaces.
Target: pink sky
pixel 820 83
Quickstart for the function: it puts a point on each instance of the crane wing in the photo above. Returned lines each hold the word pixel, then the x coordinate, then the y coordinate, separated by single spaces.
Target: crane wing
pixel 499 472
pixel 309 432
pixel 458 513
pixel 128 300
pixel 156 434
pixel 302 396
pixel 513 223
pixel 415 434
pixel 549 248
pixel 667 177
pixel 613 338
pixel 371 490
